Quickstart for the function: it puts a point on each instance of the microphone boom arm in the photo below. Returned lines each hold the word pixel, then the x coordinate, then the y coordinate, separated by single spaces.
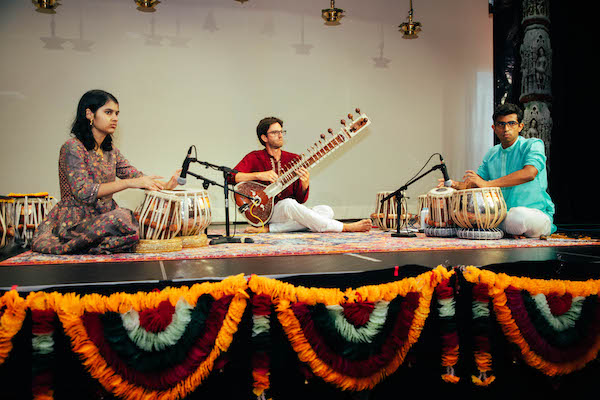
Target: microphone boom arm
pixel 211 182
pixel 398 194
pixel 407 184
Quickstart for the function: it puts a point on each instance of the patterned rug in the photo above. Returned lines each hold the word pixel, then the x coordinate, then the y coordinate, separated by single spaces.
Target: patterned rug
pixel 303 243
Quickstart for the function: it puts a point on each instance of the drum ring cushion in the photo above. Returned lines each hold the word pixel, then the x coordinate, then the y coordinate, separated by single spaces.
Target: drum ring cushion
pixel 480 234
pixel 440 232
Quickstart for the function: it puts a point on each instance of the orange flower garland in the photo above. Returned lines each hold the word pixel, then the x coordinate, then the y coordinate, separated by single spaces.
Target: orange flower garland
pixel 42 306
pixel 449 336
pixel 500 284
pixel 284 296
pixel 73 307
pixel 12 313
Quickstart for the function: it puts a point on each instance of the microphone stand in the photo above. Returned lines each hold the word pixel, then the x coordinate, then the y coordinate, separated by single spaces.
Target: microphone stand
pixel 399 196
pixel 227 172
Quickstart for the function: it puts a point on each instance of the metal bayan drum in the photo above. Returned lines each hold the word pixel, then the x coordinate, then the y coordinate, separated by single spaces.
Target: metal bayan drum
pixel 172 219
pixel 478 212
pixel 385 216
pixel 439 218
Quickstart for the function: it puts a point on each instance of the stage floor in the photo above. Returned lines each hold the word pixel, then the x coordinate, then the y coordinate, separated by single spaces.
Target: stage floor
pixel 41 277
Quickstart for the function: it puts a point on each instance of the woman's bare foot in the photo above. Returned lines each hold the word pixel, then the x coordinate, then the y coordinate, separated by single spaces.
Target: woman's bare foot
pixel 364 225
pixel 254 229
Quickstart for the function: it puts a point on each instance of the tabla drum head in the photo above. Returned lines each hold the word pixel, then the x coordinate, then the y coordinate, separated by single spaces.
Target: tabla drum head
pixel 442 192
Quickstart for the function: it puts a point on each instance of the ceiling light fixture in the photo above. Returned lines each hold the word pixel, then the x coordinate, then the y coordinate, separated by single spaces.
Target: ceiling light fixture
pixel 147 5
pixel 46 6
pixel 332 15
pixel 410 29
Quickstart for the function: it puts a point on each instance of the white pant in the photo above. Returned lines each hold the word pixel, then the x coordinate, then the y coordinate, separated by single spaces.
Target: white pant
pixel 290 216
pixel 524 221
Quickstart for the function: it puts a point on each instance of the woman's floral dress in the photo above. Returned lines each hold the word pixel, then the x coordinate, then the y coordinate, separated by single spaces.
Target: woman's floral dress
pixel 81 222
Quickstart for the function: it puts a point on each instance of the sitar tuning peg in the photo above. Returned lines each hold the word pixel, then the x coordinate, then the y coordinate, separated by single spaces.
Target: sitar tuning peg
pixel 343 122
pixel 330 131
pixel 323 136
pixel 357 110
pixel 351 117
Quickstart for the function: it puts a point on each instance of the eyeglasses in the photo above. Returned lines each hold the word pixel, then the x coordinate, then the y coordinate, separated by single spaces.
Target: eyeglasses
pixel 511 124
pixel 277 133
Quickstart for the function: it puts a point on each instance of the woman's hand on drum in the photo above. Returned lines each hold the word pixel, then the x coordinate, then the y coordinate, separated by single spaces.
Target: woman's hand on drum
pixel 172 184
pixel 150 182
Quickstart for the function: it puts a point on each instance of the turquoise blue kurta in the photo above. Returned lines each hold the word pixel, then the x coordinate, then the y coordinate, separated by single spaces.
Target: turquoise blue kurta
pixel 499 162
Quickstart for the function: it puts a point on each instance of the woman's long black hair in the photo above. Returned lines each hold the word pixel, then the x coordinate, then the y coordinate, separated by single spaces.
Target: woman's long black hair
pixel 81 129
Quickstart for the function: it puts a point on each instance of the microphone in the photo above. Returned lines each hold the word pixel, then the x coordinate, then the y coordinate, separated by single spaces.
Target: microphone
pixel 246 206
pixel 447 180
pixel 184 168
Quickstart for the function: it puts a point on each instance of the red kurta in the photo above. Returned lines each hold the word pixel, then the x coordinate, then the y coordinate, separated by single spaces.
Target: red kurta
pixel 261 160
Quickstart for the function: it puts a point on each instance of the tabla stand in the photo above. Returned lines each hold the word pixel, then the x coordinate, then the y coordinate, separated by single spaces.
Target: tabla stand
pixel 398 194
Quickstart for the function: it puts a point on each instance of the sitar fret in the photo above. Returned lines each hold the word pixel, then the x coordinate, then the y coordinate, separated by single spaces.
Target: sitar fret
pixel 289 176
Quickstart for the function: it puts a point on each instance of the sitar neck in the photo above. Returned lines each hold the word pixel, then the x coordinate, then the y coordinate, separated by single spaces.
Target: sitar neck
pixel 315 154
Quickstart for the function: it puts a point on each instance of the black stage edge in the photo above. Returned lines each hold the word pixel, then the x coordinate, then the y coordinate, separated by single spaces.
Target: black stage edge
pixel 38 277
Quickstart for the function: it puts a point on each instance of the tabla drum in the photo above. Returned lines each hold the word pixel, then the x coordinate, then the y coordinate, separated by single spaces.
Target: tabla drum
pixel 438 219
pixel 172 219
pixel 385 216
pixel 29 210
pixel 6 229
pixel 478 212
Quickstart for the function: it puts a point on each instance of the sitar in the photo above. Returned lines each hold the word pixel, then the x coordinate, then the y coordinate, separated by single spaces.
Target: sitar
pixel 259 210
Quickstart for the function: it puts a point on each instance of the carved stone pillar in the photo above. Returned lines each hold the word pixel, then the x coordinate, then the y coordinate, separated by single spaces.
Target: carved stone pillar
pixel 536 71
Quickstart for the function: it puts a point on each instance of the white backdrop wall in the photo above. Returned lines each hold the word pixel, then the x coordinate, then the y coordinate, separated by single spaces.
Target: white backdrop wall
pixel 205 72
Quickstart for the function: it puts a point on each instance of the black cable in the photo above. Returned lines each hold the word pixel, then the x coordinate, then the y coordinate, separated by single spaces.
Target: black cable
pixel 423 167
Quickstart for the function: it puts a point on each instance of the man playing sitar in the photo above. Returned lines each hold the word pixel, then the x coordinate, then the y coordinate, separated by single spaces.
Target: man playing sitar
pixel 283 174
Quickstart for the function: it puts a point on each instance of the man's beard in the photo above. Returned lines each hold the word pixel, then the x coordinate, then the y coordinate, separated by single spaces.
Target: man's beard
pixel 276 145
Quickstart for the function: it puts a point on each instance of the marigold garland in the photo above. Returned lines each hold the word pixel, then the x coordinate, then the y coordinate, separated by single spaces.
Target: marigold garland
pixel 517 325
pixel 130 342
pixel 12 314
pixel 369 328
pixel 261 330
pixel 449 336
pixel 295 305
pixel 73 308
pixel 43 317
pixel 481 331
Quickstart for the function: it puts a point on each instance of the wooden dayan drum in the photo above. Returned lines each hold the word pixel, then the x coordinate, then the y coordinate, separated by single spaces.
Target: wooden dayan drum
pixel 172 219
pixel 478 212
pixel 6 229
pixel 439 218
pixel 29 210
pixel 385 216
pixel 421 203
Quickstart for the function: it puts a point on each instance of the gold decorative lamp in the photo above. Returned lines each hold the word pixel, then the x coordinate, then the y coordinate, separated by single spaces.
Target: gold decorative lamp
pixel 332 15
pixel 147 5
pixel 410 29
pixel 46 6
